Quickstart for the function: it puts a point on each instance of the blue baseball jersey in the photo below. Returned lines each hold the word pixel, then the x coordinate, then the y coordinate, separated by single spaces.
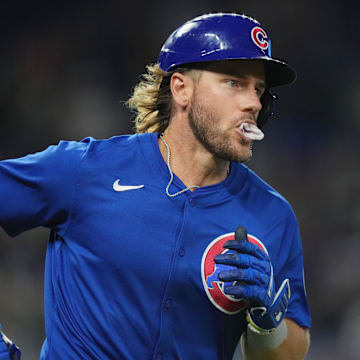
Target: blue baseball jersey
pixel 130 272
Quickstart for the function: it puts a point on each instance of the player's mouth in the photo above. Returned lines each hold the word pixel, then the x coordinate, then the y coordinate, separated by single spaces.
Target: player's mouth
pixel 251 131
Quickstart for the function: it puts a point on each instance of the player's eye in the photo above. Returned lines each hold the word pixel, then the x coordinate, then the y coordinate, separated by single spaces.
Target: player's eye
pixel 258 92
pixel 232 83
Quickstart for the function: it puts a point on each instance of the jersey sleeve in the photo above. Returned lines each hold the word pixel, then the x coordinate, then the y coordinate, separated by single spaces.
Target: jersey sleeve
pixel 38 189
pixel 290 265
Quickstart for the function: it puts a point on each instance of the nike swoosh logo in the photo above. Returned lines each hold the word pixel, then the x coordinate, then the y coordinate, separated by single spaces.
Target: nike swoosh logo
pixel 118 187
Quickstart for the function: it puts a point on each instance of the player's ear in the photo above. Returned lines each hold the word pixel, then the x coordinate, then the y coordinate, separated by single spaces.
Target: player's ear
pixel 181 86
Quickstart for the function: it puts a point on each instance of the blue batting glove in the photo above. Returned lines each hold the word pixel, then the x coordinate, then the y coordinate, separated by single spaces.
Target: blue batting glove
pixel 251 276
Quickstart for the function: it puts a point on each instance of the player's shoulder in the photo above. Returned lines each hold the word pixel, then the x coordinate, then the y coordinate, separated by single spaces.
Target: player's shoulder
pixel 261 185
pixel 91 146
pixel 261 191
pixel 114 142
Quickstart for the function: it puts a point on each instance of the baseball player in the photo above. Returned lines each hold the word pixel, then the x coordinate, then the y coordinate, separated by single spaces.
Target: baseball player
pixel 164 244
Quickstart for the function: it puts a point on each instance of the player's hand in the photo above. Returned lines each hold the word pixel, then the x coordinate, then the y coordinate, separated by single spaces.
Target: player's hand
pixel 251 274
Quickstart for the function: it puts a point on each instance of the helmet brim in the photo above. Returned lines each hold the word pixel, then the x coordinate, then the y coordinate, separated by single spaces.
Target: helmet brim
pixel 278 73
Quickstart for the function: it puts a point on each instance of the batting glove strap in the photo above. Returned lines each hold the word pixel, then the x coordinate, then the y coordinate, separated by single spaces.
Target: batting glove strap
pixel 263 321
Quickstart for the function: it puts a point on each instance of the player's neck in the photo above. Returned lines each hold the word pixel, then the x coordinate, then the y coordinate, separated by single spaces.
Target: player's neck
pixel 190 161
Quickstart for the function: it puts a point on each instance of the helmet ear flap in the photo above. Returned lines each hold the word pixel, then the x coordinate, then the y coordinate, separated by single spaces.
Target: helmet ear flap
pixel 267 101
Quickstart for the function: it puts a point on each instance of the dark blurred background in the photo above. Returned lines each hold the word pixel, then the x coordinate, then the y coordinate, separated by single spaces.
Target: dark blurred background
pixel 66 68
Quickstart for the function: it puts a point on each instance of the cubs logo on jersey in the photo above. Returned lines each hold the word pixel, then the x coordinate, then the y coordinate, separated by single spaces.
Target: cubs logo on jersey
pixel 214 288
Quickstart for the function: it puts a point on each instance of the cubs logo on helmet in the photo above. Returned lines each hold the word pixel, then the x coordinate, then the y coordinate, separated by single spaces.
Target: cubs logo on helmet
pixel 214 288
pixel 259 37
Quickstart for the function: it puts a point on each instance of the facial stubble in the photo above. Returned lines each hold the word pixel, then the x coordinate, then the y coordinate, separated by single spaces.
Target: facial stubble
pixel 205 126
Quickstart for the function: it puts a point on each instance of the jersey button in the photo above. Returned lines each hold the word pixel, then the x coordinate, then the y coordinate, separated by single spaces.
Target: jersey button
pixel 192 202
pixel 181 252
pixel 168 304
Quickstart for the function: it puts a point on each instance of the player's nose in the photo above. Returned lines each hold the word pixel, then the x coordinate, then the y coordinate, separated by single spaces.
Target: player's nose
pixel 250 102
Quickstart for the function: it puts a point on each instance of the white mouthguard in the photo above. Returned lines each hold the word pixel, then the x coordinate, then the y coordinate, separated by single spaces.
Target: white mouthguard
pixel 251 131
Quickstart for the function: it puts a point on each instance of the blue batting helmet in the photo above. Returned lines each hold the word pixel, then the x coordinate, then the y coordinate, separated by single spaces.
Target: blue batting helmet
pixel 226 36
pixel 223 36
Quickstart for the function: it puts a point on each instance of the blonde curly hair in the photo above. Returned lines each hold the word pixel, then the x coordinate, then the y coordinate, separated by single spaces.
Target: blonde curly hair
pixel 151 99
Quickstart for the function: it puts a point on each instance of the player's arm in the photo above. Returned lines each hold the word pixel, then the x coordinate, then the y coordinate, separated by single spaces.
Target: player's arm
pixel 294 346
pixel 39 189
pixel 36 190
